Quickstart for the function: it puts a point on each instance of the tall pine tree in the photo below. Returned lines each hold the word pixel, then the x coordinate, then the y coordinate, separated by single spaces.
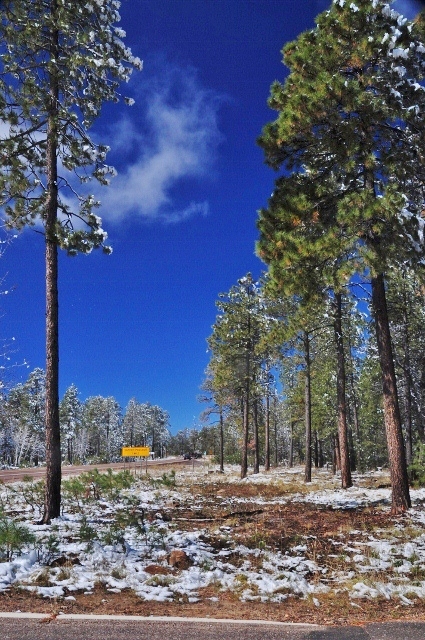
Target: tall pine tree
pixel 351 134
pixel 60 60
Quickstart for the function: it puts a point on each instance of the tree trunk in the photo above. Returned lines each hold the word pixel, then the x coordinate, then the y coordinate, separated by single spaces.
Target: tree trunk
pixel 276 457
pixel 407 383
pixel 291 444
pixel 396 453
pixel 316 450
pixel 354 413
pixel 346 481
pixel 244 465
pixel 52 499
pixel 221 442
pixel 267 431
pixel 321 460
pixel 337 454
pixel 352 450
pixel 245 428
pixel 307 401
pixel 256 439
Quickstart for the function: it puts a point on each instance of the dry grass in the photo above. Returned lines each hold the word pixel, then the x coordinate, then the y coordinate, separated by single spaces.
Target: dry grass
pixel 263 515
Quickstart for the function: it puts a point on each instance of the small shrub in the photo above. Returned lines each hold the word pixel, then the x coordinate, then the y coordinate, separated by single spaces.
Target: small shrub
pixel 160 580
pixel 92 485
pixel 13 538
pixel 74 491
pixel 118 573
pixel 113 535
pixel 156 536
pixel 166 480
pixel 48 548
pixel 87 533
pixel 32 493
pixel 134 518
pixel 63 574
pixel 42 579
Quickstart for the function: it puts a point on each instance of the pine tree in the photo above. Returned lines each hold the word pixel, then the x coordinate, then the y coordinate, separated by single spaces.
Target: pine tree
pixel 407 318
pixel 350 130
pixel 60 61
pixel 101 417
pixel 235 365
pixel 70 411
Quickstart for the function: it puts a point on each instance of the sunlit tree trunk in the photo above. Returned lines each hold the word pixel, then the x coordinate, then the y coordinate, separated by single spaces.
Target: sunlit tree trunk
pixel 346 481
pixel 396 453
pixel 53 450
pixel 307 402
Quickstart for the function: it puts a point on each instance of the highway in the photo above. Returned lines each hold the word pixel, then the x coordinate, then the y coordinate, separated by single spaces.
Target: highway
pixel 70 627
pixel 37 473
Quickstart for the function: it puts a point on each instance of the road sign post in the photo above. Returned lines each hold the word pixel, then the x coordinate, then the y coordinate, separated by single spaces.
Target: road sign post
pixel 136 452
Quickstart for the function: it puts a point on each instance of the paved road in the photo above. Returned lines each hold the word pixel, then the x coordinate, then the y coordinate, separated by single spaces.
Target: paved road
pixel 80 628
pixel 15 475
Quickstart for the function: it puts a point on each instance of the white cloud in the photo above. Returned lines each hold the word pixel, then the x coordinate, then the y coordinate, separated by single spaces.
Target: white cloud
pixel 177 141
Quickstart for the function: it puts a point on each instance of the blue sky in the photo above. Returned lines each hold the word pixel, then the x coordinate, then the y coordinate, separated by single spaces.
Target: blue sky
pixel 181 213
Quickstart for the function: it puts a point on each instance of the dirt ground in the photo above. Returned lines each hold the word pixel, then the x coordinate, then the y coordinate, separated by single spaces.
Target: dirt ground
pixel 254 524
pixel 332 612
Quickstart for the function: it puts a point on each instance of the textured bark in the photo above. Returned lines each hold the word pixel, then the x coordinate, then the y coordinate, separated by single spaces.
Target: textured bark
pixel 352 450
pixel 276 457
pixel 396 453
pixel 291 444
pixel 316 450
pixel 267 432
pixel 221 431
pixel 346 480
pixel 256 439
pixel 52 499
pixel 337 455
pixel 246 404
pixel 307 402
pixel 355 454
pixel 245 428
pixel 407 383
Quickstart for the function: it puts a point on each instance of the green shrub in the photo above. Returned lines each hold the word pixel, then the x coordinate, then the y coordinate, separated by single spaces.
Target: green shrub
pixel 31 492
pixel 48 548
pixel 13 538
pixel 93 485
pixel 166 480
pixel 74 491
pixel 87 533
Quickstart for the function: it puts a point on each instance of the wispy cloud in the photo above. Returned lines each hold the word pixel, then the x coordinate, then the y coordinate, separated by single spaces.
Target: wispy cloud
pixel 176 141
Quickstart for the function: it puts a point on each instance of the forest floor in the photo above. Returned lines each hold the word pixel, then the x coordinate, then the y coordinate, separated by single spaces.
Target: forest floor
pixel 203 544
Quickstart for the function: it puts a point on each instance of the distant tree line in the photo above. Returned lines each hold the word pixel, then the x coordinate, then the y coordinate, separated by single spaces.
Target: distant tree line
pixel 92 431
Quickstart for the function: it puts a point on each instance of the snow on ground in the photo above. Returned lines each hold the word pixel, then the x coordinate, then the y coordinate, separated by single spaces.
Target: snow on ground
pixel 116 542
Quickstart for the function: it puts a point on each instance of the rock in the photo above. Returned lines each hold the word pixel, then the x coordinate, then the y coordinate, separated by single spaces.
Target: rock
pixel 63 561
pixel 179 559
pixel 156 569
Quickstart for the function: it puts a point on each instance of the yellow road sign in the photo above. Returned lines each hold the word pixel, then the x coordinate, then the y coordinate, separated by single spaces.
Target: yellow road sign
pixel 135 452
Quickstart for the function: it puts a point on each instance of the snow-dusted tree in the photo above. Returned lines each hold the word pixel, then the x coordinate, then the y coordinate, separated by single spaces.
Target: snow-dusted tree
pixel 407 316
pixel 351 131
pixel 35 390
pixel 235 368
pixel 25 409
pixel 157 432
pixel 102 418
pixel 134 424
pixel 60 60
pixel 70 411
